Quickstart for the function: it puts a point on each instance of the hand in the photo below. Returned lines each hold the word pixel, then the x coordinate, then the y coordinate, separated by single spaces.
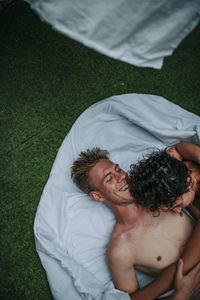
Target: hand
pixel 174 153
pixel 183 201
pixel 187 287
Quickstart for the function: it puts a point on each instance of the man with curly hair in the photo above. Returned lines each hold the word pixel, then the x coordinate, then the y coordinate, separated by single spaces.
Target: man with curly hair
pixel 163 180
pixel 139 240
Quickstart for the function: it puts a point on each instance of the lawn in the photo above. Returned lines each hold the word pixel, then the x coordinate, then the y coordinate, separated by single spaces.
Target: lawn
pixel 46 81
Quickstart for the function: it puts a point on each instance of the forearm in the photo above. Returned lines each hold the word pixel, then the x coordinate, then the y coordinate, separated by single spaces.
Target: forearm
pixel 157 287
pixel 196 202
pixel 191 254
pixel 187 287
pixel 194 211
pixel 189 151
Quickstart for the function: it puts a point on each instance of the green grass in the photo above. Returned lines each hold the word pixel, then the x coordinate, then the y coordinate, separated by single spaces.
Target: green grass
pixel 46 81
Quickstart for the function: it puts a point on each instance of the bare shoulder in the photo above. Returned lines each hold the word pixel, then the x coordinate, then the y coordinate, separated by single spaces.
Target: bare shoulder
pixel 121 262
pixel 121 248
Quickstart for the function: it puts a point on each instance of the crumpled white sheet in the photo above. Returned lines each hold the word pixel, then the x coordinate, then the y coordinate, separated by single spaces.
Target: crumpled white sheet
pixel 138 32
pixel 71 230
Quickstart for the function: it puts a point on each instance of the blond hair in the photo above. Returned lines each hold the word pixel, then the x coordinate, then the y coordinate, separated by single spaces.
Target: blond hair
pixel 82 166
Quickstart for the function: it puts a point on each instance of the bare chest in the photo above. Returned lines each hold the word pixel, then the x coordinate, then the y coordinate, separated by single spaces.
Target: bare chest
pixel 160 242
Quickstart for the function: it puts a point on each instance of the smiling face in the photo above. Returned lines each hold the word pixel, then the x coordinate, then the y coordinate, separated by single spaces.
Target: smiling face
pixel 110 183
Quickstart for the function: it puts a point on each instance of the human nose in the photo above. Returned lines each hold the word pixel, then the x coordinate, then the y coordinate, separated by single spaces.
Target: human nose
pixel 121 176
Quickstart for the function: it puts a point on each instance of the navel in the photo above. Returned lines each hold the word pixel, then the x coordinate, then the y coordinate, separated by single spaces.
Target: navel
pixel 181 214
pixel 159 258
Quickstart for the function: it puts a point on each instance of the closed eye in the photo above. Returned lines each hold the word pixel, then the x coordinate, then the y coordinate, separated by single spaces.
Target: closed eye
pixel 108 178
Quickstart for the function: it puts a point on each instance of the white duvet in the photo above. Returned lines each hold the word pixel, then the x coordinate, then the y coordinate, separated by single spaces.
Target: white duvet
pixel 139 32
pixel 71 230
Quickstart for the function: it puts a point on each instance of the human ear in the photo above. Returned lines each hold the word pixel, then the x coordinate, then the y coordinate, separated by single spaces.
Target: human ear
pixel 95 195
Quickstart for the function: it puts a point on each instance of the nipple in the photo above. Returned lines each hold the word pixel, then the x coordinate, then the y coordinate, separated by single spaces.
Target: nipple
pixel 159 258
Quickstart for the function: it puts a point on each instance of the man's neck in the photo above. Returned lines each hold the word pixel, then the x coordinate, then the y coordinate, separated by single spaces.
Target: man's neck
pixel 129 214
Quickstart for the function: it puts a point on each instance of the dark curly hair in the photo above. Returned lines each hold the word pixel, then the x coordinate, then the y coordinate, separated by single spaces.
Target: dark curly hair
pixel 159 179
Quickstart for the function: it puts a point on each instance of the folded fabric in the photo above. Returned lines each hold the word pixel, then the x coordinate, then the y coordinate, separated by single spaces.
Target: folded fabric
pixel 139 32
pixel 71 230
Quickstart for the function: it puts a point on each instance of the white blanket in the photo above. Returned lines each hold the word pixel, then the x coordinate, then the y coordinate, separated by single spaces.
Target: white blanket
pixel 139 32
pixel 71 230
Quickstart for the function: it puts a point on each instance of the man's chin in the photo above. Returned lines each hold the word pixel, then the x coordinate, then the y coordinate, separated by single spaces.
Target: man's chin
pixel 127 200
pixel 127 196
pixel 123 200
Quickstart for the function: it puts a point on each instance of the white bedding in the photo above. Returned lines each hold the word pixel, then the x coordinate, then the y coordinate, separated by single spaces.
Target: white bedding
pixel 71 230
pixel 139 32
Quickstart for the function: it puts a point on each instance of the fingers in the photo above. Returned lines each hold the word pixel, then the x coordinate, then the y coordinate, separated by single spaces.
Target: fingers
pixel 179 274
pixel 180 268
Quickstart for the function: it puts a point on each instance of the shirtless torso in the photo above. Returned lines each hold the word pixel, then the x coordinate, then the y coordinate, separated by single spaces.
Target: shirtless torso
pixel 152 243
pixel 140 240
pixel 148 243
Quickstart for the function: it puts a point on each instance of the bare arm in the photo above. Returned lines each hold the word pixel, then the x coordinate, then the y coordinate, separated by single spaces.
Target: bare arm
pixel 121 266
pixel 187 287
pixel 194 211
pixel 189 151
pixel 185 150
